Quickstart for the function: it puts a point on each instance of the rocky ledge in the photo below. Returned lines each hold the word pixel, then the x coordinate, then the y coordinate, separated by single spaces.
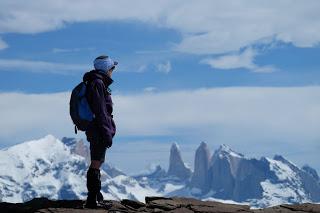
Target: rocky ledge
pixel 152 204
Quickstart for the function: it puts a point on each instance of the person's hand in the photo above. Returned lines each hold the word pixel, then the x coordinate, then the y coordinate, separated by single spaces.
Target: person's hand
pixel 109 144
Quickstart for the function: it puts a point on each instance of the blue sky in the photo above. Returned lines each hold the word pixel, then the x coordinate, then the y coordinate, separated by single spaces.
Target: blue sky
pixel 146 48
pixel 240 73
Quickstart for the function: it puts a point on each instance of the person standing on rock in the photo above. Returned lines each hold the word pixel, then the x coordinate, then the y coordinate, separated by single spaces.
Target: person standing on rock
pixel 102 130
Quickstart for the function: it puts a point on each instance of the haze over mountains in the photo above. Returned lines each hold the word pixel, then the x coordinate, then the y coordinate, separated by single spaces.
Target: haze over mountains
pixel 56 169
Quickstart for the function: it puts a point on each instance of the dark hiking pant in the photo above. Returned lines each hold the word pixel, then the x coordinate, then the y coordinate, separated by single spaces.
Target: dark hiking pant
pixel 97 147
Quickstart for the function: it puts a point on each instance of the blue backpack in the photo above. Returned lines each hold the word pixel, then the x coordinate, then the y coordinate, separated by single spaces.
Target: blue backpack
pixel 80 111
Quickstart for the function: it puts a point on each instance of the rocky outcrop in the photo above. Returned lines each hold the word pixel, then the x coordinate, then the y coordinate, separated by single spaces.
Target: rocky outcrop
pixel 152 204
pixel 223 169
pixel 199 178
pixel 311 171
pixel 177 167
pixel 232 176
pixel 157 174
pixel 111 171
pixel 77 147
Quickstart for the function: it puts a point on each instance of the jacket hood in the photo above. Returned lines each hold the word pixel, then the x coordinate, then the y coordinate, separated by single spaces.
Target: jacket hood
pixel 95 74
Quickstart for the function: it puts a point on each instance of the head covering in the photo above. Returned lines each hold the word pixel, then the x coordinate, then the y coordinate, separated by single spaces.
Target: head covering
pixel 104 63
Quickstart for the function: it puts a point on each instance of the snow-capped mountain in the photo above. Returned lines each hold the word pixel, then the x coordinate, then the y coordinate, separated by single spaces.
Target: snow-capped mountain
pixel 78 147
pixel 57 169
pixel 42 167
pixel 263 182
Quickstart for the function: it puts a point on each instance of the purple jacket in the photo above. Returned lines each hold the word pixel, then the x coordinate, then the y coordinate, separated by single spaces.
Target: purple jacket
pixel 99 99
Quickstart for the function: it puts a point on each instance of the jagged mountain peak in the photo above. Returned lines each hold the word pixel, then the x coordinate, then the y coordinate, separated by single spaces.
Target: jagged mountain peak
pixel 157 173
pixel 225 150
pixel 176 165
pixel 199 178
pixel 78 147
pixel 37 168
pixel 283 160
pixel 203 148
pixel 48 147
pixel 203 145
pixel 175 154
pixel 51 168
pixel 44 142
pixel 279 158
pixel 175 146
pixel 224 147
pixel 69 141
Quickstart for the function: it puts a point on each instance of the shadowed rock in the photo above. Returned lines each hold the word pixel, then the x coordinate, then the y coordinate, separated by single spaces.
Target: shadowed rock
pixel 177 167
pixel 153 204
pixel 201 166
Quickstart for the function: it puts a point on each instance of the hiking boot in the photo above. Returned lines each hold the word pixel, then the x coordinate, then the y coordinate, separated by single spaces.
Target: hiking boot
pixel 91 202
pixel 100 197
pixel 93 186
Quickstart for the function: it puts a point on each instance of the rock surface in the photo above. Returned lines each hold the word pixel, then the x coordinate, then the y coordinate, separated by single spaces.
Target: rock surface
pixel 261 182
pixel 77 147
pixel 177 167
pixel 152 204
pixel 201 166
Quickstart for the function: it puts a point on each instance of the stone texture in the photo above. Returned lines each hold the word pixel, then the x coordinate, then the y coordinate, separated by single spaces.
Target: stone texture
pixel 77 147
pixel 301 208
pixel 177 167
pixel 153 204
pixel 201 166
pixel 132 203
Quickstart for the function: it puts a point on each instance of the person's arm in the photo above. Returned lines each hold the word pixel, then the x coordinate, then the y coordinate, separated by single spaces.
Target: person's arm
pixel 99 108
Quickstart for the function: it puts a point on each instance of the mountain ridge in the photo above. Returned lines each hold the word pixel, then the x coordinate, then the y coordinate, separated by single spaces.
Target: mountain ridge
pixel 56 169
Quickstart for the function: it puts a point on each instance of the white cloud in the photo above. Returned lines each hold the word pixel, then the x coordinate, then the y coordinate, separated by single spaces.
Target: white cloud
pixel 253 113
pixel 63 50
pixel 41 66
pixel 150 89
pixel 35 16
pixel 241 60
pixel 254 120
pixel 29 116
pixel 164 67
pixel 225 26
pixel 289 112
pixel 142 68
pixel 3 45
pixel 209 27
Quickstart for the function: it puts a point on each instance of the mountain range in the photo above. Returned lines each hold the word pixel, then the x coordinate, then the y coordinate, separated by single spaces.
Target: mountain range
pixel 56 169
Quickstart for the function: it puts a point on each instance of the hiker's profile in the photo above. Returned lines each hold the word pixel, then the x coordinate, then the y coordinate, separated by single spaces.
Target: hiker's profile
pixel 91 111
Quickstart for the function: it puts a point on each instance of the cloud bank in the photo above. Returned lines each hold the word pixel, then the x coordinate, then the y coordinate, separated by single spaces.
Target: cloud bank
pixel 244 59
pixel 40 66
pixel 256 121
pixel 248 114
pixel 209 27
